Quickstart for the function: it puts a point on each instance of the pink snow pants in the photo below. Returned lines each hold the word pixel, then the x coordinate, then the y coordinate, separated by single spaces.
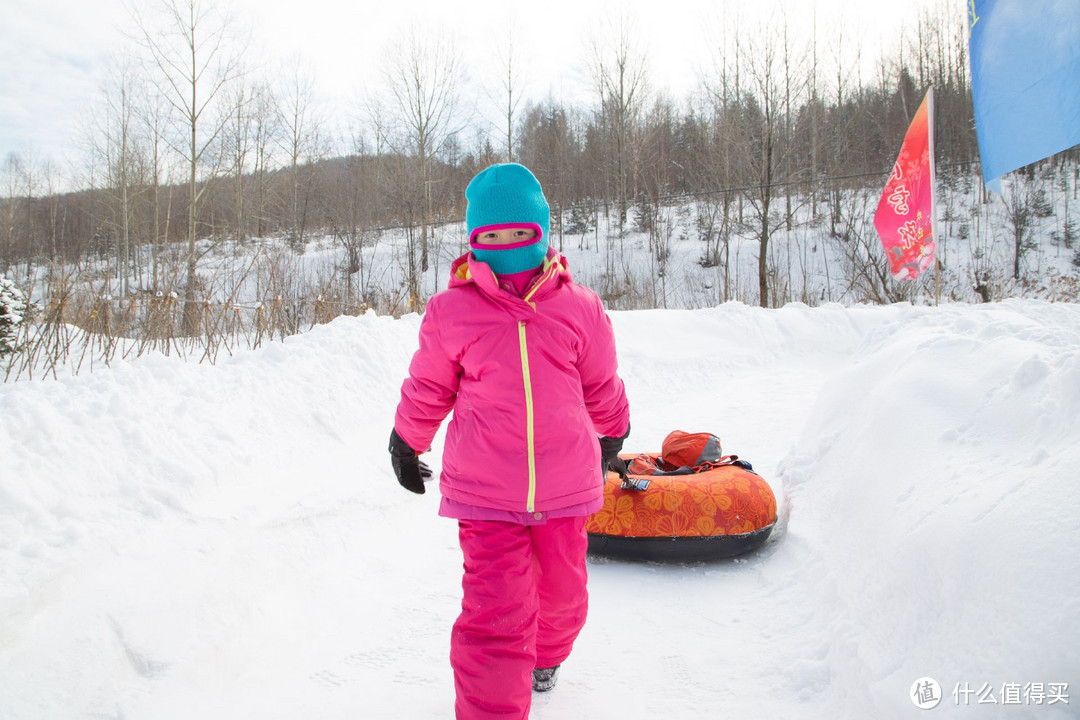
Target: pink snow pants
pixel 524 604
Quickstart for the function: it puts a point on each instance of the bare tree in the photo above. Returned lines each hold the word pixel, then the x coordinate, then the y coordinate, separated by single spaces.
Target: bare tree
pixel 358 196
pixel 423 74
pixel 621 81
pixel 1020 213
pixel 842 129
pixel 28 170
pixel 265 131
pixel 153 115
pixel 115 143
pixel 188 45
pixel 509 68
pixel 301 130
pixel 712 163
pixel 239 136
pixel 759 138
pixel 13 176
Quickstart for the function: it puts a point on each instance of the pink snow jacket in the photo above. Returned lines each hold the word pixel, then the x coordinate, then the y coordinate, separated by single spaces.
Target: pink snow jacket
pixel 532 380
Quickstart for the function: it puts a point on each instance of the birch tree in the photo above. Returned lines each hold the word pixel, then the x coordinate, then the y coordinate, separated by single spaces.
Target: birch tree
pixel 188 43
pixel 510 81
pixel 423 73
pixel 114 140
pixel 153 113
pixel 238 136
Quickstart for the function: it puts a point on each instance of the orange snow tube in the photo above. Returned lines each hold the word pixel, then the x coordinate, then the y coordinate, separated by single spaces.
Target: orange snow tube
pixel 720 512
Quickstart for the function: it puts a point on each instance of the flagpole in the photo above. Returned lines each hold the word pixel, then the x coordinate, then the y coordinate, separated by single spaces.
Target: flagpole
pixel 933 196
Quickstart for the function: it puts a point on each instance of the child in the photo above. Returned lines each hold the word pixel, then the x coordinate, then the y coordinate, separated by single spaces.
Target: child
pixel 525 358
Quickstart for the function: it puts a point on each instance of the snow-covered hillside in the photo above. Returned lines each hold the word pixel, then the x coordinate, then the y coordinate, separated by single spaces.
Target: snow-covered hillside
pixel 227 541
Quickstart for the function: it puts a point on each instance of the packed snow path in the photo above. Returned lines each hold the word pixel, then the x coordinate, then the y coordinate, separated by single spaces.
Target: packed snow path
pixel 181 540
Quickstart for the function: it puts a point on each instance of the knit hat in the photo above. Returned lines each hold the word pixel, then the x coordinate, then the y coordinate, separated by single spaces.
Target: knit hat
pixel 501 196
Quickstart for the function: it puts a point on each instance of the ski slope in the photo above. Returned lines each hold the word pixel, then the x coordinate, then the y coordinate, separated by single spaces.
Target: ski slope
pixel 219 542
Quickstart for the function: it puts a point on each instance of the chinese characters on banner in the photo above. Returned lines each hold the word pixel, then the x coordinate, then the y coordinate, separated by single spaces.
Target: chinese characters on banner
pixel 905 214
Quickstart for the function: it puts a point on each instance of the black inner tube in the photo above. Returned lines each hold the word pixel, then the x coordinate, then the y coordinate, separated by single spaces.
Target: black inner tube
pixel 678 549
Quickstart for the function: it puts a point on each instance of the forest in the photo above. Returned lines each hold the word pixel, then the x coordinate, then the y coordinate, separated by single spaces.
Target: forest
pixel 190 157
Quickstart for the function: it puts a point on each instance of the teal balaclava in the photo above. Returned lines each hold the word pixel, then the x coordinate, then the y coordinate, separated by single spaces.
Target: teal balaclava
pixel 502 196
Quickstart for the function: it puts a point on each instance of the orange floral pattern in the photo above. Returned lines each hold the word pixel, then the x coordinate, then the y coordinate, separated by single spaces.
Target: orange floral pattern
pixel 727 500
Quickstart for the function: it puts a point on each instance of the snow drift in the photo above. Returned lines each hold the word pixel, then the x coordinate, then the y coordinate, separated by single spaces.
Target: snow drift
pixel 182 540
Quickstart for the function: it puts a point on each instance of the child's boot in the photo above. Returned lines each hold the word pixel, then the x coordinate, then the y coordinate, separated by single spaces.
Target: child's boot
pixel 544 678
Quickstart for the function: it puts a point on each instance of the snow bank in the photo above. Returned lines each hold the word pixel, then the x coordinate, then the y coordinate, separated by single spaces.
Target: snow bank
pixel 181 540
pixel 930 502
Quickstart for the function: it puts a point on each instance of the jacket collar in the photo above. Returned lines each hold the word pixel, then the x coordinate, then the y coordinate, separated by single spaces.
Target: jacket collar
pixel 468 270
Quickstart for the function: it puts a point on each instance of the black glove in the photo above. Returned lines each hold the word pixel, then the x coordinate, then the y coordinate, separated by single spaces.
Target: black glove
pixel 609 453
pixel 410 470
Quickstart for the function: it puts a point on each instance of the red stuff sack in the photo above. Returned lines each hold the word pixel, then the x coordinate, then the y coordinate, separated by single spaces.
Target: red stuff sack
pixel 682 449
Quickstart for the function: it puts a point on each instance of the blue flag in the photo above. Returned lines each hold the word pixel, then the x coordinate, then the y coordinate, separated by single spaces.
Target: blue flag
pixel 1025 81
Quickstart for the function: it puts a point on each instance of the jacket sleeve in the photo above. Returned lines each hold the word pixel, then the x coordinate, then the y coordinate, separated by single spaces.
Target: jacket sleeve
pixel 605 396
pixel 429 393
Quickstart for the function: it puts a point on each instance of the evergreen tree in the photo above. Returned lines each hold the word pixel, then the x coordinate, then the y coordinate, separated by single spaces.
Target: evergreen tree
pixel 12 311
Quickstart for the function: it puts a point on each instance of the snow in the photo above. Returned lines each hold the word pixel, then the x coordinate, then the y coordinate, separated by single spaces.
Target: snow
pixel 227 541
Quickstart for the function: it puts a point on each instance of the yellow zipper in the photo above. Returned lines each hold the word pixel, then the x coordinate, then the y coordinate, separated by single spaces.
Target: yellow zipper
pixel 537 284
pixel 530 436
pixel 550 269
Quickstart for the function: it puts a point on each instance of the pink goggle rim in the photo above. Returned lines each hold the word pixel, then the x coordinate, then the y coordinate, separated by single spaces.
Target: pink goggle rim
pixel 505 226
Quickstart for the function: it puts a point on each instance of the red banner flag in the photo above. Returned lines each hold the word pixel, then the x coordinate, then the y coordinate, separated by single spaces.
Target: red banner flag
pixel 905 214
